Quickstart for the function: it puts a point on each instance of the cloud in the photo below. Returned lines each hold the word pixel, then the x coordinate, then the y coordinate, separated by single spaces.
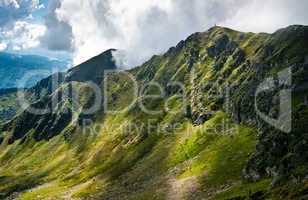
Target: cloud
pixel 58 35
pixel 268 16
pixel 22 36
pixel 3 46
pixel 142 28
pixel 16 32
pixel 13 3
pixel 15 10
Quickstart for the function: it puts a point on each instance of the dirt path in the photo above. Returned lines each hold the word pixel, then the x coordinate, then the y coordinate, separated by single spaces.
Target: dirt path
pixel 183 188
pixel 69 194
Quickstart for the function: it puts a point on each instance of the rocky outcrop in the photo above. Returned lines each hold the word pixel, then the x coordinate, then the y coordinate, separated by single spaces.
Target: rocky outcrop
pixel 221 70
pixel 93 69
pixel 51 108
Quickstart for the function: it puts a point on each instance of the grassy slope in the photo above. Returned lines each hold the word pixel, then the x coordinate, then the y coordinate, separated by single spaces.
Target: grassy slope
pixel 194 162
pixel 152 167
pixel 8 106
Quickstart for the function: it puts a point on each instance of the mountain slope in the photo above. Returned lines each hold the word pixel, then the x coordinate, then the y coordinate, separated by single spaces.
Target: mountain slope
pixel 60 89
pixel 212 144
pixel 13 67
pixel 93 69
pixel 8 105
pixel 22 71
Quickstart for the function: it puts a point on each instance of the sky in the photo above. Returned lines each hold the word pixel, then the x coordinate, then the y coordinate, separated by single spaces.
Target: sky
pixel 77 30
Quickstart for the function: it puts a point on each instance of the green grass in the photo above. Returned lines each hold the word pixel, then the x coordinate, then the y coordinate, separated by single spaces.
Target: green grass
pixel 142 162
pixel 222 157
pixel 244 190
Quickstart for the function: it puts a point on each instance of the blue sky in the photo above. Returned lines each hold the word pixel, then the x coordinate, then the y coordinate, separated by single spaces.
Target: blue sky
pixel 23 26
pixel 39 14
pixel 77 30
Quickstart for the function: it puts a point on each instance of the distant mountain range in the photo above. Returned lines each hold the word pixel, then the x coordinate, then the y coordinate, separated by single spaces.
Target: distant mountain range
pixel 14 68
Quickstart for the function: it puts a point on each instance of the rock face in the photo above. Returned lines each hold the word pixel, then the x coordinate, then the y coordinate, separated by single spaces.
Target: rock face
pixel 93 69
pixel 59 88
pixel 279 153
pixel 221 70
pixel 8 104
pixel 235 65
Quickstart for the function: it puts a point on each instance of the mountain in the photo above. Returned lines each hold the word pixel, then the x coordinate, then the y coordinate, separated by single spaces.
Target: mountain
pixel 83 72
pixel 43 94
pixel 97 65
pixel 209 122
pixel 8 104
pixel 25 70
pixel 13 67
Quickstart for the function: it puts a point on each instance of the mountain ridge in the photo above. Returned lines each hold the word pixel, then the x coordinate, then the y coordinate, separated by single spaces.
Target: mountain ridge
pixel 145 163
pixel 15 66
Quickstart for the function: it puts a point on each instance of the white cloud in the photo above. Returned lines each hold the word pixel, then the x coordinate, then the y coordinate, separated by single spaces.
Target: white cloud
pixel 145 27
pixel 269 15
pixel 41 6
pixel 3 46
pixel 22 36
pixel 16 32
pixel 58 35
pixel 141 28
pixel 15 10
pixel 13 3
